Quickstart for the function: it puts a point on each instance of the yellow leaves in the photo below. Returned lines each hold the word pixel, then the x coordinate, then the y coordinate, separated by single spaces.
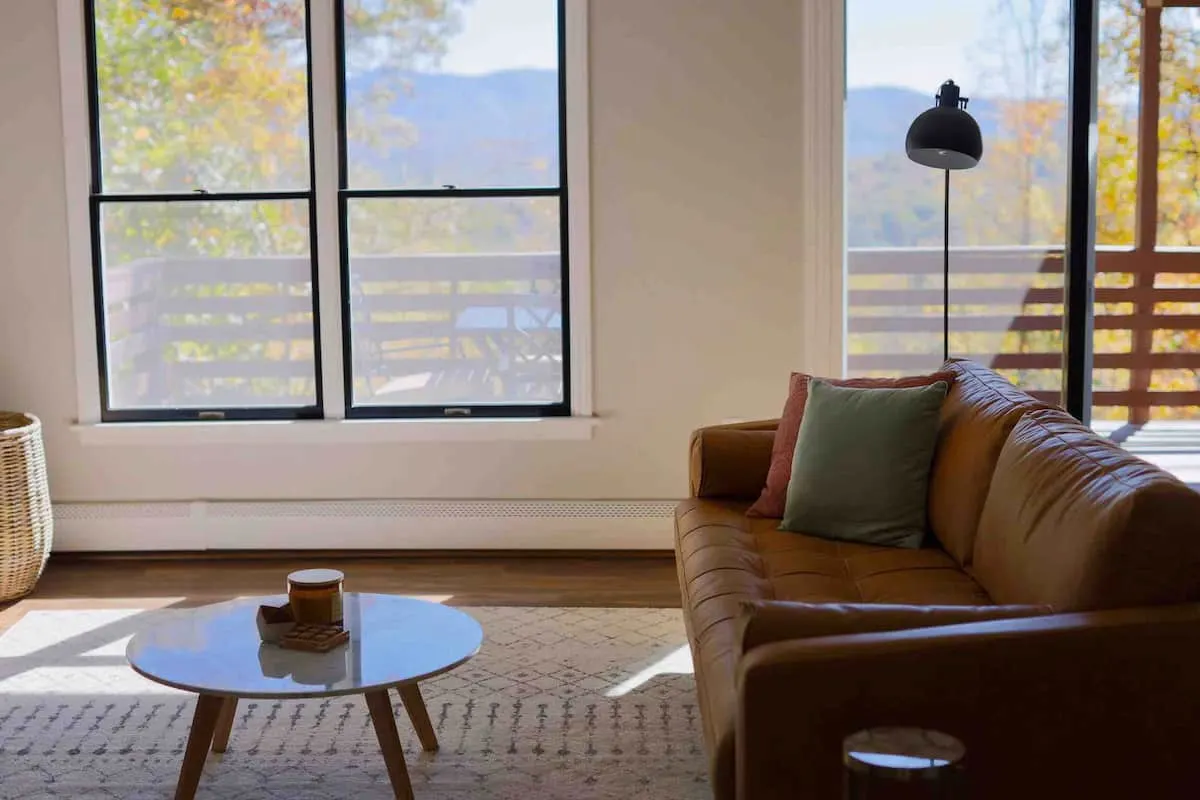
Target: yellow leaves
pixel 141 134
pixel 260 139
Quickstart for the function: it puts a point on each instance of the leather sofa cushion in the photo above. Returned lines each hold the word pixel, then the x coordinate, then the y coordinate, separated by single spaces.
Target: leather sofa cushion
pixel 725 558
pixel 767 621
pixel 1076 522
pixel 977 417
pixel 730 462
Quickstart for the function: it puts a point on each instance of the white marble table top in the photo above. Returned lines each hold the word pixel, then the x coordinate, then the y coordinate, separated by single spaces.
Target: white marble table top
pixel 216 649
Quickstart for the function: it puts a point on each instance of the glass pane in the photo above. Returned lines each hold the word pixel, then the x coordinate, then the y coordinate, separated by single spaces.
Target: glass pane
pixel 1155 411
pixel 449 93
pixel 1117 266
pixel 1148 299
pixel 202 95
pixel 456 301
pixel 1117 98
pixel 1179 130
pixel 1007 214
pixel 208 304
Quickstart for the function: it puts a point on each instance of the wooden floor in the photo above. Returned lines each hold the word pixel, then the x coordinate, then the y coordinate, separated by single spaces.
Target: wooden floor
pixel 545 580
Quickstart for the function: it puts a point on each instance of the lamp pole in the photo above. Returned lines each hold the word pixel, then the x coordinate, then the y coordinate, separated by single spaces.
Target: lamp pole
pixel 946 272
pixel 945 137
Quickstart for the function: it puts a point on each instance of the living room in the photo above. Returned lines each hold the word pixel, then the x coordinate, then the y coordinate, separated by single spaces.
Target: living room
pixel 460 336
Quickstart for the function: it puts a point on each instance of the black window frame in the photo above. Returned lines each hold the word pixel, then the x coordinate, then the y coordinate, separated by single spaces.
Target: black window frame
pixel 97 197
pixel 346 194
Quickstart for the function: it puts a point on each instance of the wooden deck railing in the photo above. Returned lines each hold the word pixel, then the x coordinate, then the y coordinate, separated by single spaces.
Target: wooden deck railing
pixel 1006 311
pixel 239 331
pixel 426 329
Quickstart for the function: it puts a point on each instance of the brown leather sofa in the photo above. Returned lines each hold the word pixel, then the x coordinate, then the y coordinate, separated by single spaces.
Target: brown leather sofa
pixel 1050 622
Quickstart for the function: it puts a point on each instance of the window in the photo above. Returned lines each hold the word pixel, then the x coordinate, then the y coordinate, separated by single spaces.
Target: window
pixel 453 227
pixel 201 210
pixel 1140 384
pixel 448 217
pixel 1148 341
pixel 1007 215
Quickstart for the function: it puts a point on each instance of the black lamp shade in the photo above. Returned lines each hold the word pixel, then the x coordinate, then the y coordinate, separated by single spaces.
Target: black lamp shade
pixel 945 136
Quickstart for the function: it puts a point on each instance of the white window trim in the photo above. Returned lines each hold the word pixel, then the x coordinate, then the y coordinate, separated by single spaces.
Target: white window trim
pixel 334 428
pixel 340 431
pixel 822 100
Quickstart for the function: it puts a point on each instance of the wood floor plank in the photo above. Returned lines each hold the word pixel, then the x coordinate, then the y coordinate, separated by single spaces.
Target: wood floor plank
pixel 463 580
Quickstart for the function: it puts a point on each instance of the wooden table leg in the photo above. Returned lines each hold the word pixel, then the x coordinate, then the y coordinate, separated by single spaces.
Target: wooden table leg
pixel 204 722
pixel 224 725
pixel 379 703
pixel 410 693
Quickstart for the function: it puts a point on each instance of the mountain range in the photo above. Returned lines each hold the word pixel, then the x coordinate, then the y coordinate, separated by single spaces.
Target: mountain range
pixel 501 130
pixel 503 126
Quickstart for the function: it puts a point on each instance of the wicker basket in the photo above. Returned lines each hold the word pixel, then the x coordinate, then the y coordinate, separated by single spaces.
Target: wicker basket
pixel 26 523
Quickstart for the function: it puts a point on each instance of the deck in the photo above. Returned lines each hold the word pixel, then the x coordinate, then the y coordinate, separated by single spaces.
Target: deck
pixel 1172 445
pixel 1006 306
pixel 443 329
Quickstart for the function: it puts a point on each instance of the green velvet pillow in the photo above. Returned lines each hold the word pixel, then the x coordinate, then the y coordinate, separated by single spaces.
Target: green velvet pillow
pixel 860 472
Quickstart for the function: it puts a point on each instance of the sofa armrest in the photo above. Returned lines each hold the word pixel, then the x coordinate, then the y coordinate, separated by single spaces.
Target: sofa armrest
pixel 1099 704
pixel 730 461
pixel 765 622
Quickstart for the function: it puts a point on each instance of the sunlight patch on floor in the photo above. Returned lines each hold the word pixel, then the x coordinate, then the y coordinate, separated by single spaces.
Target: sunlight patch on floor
pixel 77 632
pixel 95 681
pixel 677 662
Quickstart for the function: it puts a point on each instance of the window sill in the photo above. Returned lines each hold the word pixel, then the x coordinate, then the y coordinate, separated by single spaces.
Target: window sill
pixel 140 434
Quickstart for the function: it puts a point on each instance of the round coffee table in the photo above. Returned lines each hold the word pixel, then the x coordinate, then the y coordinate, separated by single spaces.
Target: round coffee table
pixel 216 652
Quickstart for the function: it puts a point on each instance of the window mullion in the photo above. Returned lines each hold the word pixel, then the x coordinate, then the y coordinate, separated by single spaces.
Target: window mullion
pixel 324 77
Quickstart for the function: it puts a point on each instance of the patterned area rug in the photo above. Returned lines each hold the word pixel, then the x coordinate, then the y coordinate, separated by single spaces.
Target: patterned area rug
pixel 560 703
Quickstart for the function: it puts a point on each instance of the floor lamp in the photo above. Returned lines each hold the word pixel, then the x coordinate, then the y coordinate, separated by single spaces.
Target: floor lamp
pixel 945 137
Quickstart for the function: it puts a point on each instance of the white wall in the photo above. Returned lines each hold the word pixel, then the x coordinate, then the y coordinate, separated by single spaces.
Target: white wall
pixel 696 176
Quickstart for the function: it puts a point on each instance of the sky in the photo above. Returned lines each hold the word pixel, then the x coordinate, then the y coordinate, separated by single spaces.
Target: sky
pixel 916 44
pixel 918 48
pixel 504 34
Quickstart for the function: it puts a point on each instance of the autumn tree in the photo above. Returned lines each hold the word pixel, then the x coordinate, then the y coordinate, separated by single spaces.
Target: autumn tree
pixel 1179 130
pixel 1177 170
pixel 1033 145
pixel 209 96
pixel 1017 195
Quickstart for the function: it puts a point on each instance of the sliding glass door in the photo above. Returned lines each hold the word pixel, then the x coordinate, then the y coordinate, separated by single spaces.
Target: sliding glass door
pixel 1023 222
pixel 1007 215
pixel 1146 380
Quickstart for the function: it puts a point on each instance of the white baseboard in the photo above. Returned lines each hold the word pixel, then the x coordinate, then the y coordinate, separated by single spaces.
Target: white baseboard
pixel 366 525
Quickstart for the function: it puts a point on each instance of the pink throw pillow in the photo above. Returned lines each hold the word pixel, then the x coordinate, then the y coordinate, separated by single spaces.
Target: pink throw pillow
pixel 774 495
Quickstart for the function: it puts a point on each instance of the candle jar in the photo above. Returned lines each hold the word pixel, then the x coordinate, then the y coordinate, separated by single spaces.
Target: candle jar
pixel 315 596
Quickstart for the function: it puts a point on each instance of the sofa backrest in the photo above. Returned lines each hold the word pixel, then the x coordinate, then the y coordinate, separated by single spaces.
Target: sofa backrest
pixel 1076 522
pixel 980 411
